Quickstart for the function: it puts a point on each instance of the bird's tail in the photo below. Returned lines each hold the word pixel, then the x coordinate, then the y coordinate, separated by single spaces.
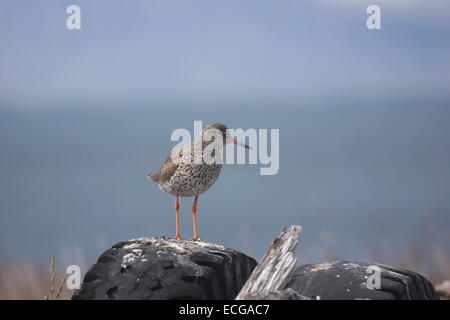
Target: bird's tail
pixel 151 177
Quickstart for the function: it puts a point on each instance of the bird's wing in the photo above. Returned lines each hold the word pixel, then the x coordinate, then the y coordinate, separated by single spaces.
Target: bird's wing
pixel 167 170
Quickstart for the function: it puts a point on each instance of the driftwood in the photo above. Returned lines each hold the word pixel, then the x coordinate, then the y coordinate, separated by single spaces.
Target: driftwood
pixel 268 276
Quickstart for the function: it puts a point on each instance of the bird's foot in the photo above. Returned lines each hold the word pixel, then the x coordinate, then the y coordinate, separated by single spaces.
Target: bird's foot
pixel 196 239
pixel 177 237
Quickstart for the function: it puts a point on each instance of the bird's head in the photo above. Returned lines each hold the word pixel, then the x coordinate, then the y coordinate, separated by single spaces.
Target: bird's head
pixel 217 128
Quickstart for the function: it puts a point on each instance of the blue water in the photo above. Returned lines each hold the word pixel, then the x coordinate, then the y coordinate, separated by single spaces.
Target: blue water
pixel 361 180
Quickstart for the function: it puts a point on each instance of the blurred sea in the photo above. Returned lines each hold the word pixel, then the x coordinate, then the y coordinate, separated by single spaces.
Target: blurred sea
pixel 364 182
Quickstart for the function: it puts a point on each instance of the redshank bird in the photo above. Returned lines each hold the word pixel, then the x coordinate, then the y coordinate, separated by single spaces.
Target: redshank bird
pixel 185 176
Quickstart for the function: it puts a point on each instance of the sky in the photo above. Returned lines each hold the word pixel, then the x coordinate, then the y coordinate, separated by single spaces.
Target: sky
pixel 177 50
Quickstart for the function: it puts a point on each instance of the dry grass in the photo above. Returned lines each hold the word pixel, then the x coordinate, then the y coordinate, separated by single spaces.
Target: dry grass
pixel 20 280
pixel 52 294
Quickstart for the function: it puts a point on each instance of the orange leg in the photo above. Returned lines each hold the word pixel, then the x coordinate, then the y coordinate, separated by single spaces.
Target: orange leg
pixel 177 233
pixel 194 210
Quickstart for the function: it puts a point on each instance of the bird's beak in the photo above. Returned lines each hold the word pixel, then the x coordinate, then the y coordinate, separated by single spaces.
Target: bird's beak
pixel 234 141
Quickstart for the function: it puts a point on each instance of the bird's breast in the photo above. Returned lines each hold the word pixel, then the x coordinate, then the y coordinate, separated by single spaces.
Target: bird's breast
pixel 190 179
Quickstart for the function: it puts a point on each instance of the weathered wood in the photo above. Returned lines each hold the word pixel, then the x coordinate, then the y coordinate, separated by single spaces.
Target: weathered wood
pixel 275 266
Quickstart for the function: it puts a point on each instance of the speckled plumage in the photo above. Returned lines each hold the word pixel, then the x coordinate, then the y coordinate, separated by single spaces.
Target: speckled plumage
pixel 188 179
pixel 191 180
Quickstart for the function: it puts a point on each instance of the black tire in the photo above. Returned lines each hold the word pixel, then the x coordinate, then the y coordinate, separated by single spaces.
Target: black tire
pixel 166 269
pixel 348 280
